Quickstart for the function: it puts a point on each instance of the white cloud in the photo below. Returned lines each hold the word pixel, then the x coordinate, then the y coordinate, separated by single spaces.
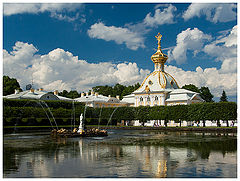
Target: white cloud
pixel 35 8
pixel 64 17
pixel 192 40
pixel 160 17
pixel 221 12
pixel 225 50
pixel 132 35
pixel 118 34
pixel 60 70
pixel 212 78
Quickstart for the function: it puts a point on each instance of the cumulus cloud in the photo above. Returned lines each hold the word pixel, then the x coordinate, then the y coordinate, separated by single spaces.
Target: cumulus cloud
pixel 192 40
pixel 35 8
pixel 59 11
pixel 61 70
pixel 220 12
pixel 224 49
pixel 160 17
pixel 118 34
pixel 132 34
pixel 212 78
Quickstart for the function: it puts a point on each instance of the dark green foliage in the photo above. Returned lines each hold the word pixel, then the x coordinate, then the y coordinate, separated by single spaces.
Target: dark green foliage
pixel 223 98
pixel 191 87
pixel 142 113
pixel 204 92
pixel 35 103
pixel 72 94
pixel 118 89
pixel 23 112
pixel 9 85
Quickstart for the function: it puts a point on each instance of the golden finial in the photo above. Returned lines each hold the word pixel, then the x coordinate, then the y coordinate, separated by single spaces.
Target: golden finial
pixel 159 58
pixel 159 36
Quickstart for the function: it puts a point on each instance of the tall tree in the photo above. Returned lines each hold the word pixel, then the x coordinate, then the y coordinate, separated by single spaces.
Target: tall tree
pixel 223 98
pixel 9 85
pixel 206 94
pixel 191 87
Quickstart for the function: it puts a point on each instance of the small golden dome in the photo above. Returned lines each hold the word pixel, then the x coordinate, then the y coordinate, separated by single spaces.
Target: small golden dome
pixel 159 56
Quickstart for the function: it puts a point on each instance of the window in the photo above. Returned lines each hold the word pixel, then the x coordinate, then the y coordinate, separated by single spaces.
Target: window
pixel 141 99
pixel 156 98
pixel 148 98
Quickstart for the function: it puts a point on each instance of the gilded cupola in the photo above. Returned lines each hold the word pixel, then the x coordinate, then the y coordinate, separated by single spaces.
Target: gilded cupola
pixel 158 80
pixel 159 58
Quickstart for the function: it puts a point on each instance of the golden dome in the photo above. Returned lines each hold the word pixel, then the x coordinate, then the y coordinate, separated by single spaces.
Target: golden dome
pixel 159 57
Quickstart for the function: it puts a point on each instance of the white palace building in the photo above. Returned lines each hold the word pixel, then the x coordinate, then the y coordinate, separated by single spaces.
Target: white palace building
pixel 160 88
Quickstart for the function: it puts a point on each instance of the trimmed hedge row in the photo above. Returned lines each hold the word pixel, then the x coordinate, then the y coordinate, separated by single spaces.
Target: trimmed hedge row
pixel 63 110
pixel 35 103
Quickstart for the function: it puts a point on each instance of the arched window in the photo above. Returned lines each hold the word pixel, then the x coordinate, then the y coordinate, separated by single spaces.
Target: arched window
pixel 148 98
pixel 156 98
pixel 141 99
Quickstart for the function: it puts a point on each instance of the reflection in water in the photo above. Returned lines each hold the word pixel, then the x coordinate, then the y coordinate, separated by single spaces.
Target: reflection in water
pixel 159 155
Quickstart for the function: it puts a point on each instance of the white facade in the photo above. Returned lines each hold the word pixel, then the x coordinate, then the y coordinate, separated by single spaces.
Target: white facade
pixel 96 100
pixel 160 88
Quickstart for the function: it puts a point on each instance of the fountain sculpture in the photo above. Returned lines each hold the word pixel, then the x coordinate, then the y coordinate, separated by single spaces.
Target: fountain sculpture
pixel 80 132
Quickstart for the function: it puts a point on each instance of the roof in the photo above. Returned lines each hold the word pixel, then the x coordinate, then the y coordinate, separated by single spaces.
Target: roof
pixel 183 95
pixel 182 91
pixel 92 97
pixel 158 81
pixel 129 99
pixel 43 95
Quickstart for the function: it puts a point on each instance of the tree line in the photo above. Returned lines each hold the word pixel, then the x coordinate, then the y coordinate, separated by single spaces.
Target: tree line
pixel 10 84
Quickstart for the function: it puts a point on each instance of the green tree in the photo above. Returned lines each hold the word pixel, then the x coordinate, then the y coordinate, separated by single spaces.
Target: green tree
pixel 73 94
pixel 191 87
pixel 223 98
pixel 64 93
pixel 206 94
pixel 9 85
pixel 118 89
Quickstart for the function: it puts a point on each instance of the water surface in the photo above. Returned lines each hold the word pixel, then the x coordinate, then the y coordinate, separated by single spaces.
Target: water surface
pixel 124 153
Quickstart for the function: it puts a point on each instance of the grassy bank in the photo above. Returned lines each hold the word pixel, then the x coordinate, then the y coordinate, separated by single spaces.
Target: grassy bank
pixel 194 129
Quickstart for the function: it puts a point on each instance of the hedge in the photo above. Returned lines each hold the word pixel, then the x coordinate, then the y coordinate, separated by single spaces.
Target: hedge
pixel 35 103
pixel 63 112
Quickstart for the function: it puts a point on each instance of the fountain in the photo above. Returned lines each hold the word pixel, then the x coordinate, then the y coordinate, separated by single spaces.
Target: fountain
pixel 73 116
pixel 80 128
pixel 45 113
pixel 50 113
pixel 99 119
pixel 80 132
pixel 111 115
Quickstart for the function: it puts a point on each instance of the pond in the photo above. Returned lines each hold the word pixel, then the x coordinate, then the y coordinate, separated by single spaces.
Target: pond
pixel 123 154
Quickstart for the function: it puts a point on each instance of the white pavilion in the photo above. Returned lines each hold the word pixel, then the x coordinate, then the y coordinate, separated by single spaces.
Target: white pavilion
pixel 160 88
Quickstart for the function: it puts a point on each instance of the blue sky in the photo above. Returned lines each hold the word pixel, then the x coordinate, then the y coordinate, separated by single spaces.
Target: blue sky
pixel 78 46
